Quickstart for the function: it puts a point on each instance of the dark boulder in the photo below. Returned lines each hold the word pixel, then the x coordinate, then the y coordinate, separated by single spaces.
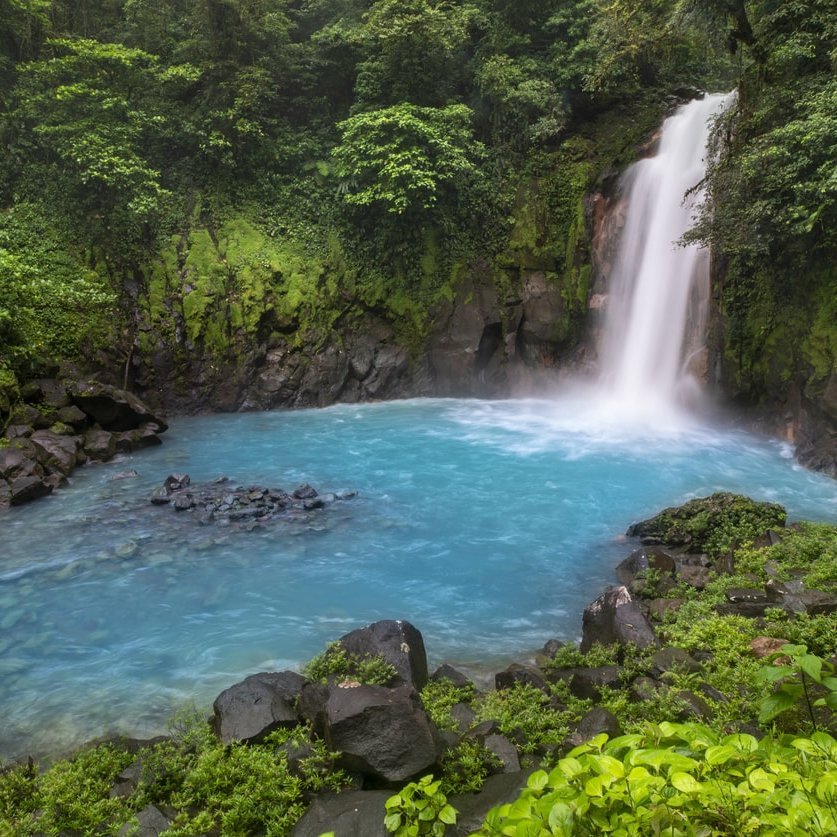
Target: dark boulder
pixel 24 489
pixel 657 608
pixel 644 688
pixel 348 814
pixel 519 673
pixel 146 436
pixel 675 660
pixel 693 707
pixel 505 751
pixel 99 445
pixel 312 705
pixel 595 722
pixel 588 682
pixel 614 617
pixel 57 453
pixel 695 575
pixel 640 561
pixel 26 414
pixel 745 594
pixel 151 822
pixel 47 391
pixel 73 416
pixel 398 642
pixel 449 673
pixel 113 409
pixel 383 733
pixel 15 462
pixel 17 431
pixel 256 706
pixel 463 716
pixel 750 610
pixel 127 781
pixel 473 807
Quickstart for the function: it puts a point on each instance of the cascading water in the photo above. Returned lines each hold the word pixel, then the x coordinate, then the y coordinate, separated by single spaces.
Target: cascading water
pixel 649 316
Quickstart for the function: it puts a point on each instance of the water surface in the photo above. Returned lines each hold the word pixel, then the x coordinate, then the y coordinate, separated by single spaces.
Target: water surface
pixel 489 525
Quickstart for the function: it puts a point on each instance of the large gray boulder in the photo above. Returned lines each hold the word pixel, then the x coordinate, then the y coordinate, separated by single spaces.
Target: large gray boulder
pixel 398 642
pixel 151 822
pixel 15 462
pixel 615 618
pixel 113 409
pixel 642 560
pixel 56 452
pixel 256 706
pixel 380 732
pixel 99 445
pixel 24 489
pixel 48 391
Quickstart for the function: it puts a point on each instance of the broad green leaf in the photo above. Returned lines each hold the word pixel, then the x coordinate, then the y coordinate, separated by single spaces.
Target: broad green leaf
pixel 812 666
pixel 392 822
pixel 720 754
pixel 760 780
pixel 538 780
pixel 775 704
pixel 595 786
pixel 448 815
pixel 685 782
pixel 568 767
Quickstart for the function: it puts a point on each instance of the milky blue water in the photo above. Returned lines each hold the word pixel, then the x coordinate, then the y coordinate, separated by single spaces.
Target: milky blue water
pixel 489 525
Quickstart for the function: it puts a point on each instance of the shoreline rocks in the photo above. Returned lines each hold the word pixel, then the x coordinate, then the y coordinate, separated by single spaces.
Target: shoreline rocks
pixel 59 425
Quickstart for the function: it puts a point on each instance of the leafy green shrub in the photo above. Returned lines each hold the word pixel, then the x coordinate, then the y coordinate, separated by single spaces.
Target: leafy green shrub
pixel 241 791
pixel 440 696
pixel 19 797
pixel 569 656
pixel 335 662
pixel 526 716
pixel 682 779
pixel 419 808
pixel 466 766
pixel 74 795
pixel 815 632
pixel 802 681
pixel 808 550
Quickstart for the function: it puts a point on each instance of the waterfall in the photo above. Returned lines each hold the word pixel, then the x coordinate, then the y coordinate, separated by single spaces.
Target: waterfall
pixel 659 290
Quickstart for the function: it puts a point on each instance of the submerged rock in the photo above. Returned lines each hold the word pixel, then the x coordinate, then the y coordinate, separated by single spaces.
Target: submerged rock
pixel 246 506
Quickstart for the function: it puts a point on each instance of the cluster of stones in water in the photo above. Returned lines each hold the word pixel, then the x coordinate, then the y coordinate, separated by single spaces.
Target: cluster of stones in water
pixel 217 502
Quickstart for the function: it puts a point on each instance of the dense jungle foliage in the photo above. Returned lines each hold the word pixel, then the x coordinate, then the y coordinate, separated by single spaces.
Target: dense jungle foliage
pixel 203 170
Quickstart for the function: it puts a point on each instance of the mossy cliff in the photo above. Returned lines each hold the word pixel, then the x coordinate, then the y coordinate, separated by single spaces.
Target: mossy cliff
pixel 230 314
pixel 776 352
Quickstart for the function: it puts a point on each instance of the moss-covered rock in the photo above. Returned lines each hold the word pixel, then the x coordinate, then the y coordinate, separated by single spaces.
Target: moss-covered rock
pixel 711 524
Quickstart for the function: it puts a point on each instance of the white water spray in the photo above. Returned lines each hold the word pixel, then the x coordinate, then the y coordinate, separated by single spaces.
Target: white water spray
pixel 659 290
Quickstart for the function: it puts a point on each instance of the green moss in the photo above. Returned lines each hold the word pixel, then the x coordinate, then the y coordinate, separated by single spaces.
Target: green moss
pixel 712 524
pixel 9 388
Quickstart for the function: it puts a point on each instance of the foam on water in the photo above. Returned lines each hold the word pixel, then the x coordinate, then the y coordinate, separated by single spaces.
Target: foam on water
pixel 489 525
